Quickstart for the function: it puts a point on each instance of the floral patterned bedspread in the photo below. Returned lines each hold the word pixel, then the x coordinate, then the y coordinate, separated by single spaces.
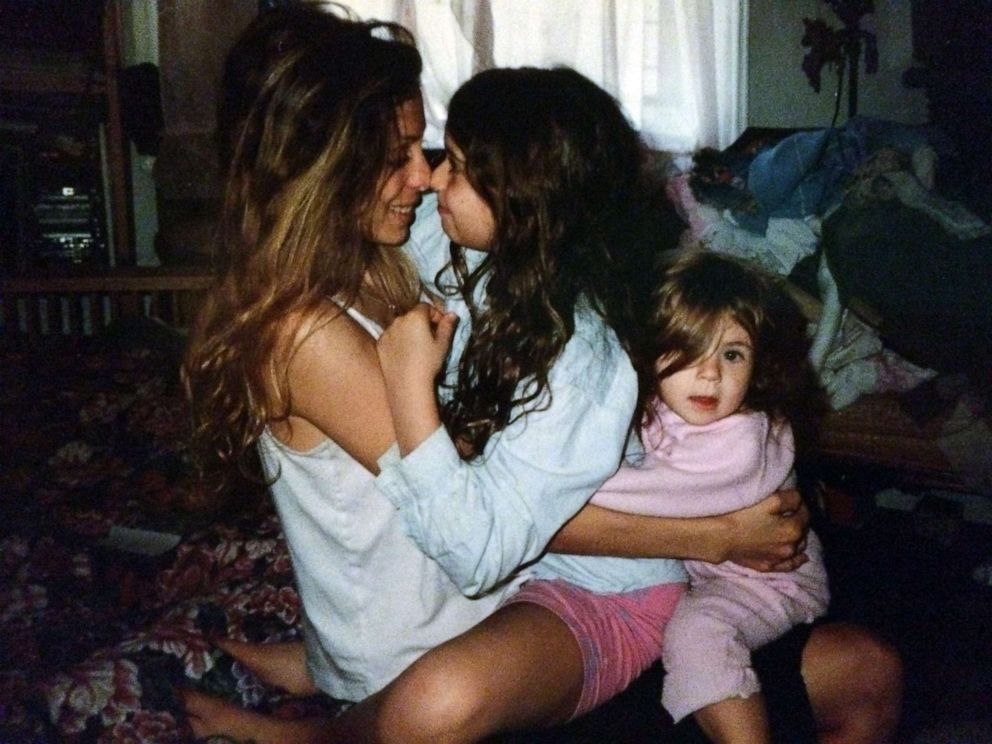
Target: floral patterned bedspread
pixel 94 639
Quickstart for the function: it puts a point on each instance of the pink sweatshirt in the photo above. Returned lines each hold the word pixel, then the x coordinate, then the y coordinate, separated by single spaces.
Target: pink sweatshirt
pixel 699 471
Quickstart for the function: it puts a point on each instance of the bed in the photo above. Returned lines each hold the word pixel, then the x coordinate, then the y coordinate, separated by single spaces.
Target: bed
pixel 110 589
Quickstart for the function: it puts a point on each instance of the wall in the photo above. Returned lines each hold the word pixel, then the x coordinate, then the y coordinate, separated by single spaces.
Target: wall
pixel 779 94
pixel 194 37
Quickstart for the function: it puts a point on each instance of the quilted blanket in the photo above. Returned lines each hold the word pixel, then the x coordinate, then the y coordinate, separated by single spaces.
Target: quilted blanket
pixel 109 590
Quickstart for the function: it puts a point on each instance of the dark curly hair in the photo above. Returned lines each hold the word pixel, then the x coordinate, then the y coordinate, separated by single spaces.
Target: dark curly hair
pixel 561 168
pixel 699 290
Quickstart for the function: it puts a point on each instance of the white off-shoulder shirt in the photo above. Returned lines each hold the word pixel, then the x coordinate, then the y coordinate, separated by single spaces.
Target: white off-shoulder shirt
pixel 373 602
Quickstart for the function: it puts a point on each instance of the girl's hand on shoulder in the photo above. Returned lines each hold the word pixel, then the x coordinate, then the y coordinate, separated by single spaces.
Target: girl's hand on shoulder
pixel 769 536
pixel 415 344
pixel 411 352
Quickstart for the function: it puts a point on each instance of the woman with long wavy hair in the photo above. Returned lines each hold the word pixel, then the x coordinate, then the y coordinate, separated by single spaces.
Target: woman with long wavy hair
pixel 320 131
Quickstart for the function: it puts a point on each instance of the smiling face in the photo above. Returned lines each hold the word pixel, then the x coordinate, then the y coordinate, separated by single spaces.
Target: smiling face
pixel 713 387
pixel 465 216
pixel 406 177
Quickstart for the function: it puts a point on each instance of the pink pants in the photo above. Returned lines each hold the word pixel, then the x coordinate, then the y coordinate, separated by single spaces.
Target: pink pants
pixel 708 643
pixel 620 634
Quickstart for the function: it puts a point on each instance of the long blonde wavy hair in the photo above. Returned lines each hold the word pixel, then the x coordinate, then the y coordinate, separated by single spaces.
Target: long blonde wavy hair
pixel 309 115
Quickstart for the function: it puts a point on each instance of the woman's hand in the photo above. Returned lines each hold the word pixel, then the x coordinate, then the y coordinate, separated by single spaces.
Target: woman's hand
pixel 769 536
pixel 411 353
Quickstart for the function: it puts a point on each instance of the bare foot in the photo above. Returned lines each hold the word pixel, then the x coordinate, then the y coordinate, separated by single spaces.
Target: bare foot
pixel 212 716
pixel 281 665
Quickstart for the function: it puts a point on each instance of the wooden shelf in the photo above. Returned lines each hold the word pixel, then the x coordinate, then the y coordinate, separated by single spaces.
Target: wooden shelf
pixel 31 79
pixel 69 76
pixel 59 298
pixel 109 279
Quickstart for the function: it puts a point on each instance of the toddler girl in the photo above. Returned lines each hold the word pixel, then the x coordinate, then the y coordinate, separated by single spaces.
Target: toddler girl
pixel 726 370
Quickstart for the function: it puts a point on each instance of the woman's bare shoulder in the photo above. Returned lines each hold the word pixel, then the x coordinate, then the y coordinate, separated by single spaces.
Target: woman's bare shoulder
pixel 326 335
pixel 335 383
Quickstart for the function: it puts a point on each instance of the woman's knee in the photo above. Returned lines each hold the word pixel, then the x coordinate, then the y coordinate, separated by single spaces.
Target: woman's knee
pixel 880 670
pixel 855 681
pixel 520 668
pixel 435 700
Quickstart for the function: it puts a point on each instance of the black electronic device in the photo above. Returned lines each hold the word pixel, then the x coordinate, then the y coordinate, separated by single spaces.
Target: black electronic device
pixel 69 226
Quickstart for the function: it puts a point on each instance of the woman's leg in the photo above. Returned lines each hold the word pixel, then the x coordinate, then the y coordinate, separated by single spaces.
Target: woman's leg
pixel 735 720
pixel 854 682
pixel 519 668
pixel 209 715
pixel 282 665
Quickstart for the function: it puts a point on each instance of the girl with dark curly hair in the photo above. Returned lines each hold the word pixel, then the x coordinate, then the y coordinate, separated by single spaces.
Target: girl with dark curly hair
pixel 538 193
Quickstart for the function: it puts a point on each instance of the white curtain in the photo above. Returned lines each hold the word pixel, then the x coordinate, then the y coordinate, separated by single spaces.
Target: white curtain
pixel 678 67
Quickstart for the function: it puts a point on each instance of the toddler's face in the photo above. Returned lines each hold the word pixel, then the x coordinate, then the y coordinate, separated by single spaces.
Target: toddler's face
pixel 713 387
pixel 465 216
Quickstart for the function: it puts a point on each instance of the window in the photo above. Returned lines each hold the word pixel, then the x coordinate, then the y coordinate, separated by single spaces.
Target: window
pixel 678 67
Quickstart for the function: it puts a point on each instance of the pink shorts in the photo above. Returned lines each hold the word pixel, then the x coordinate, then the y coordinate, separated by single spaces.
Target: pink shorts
pixel 620 634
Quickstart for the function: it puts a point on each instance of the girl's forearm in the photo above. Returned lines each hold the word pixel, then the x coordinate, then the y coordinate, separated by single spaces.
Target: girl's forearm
pixel 415 414
pixel 769 536
pixel 598 531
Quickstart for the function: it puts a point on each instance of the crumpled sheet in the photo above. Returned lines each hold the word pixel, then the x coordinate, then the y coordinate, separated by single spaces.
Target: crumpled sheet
pixel 848 355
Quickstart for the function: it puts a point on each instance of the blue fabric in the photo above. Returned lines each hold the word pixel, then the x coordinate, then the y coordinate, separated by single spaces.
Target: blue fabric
pixel 802 175
pixel 806 173
pixel 781 175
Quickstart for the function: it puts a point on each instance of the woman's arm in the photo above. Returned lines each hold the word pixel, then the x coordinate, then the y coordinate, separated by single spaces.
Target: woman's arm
pixel 482 520
pixel 695 487
pixel 768 536
pixel 339 363
pixel 337 391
